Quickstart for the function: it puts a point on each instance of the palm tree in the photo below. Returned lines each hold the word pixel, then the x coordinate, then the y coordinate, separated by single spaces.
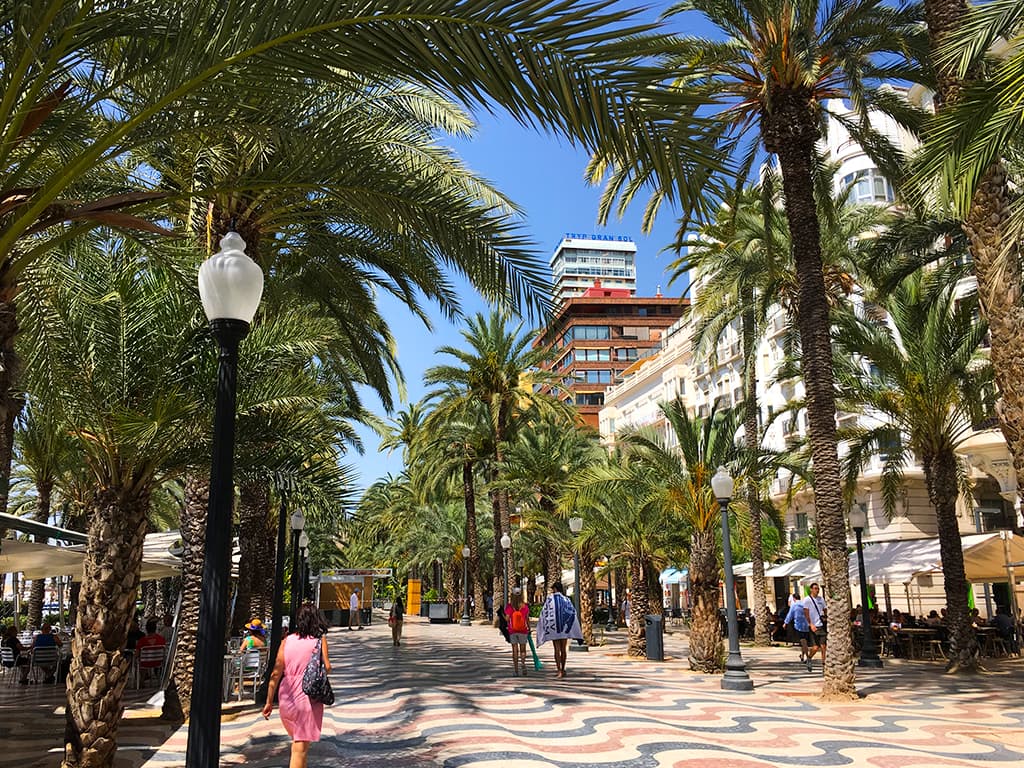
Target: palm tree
pixel 115 344
pixel 768 82
pixel 539 465
pixel 743 262
pixel 491 372
pixel 930 380
pixel 969 150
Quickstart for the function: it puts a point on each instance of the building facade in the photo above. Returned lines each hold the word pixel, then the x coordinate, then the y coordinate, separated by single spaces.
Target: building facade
pixel 597 336
pixel 580 259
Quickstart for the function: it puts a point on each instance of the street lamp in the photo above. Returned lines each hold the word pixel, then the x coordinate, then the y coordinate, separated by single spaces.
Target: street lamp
pixel 736 677
pixel 506 542
pixel 576 525
pixel 298 522
pixel 304 569
pixel 230 287
pixel 465 587
pixel 868 650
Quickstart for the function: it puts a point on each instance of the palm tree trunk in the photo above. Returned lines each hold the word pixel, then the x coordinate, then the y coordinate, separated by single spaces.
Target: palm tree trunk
pixel 11 402
pixel 499 556
pixel 99 668
pixel 252 522
pixel 940 472
pixel 44 492
pixel 263 582
pixel 473 540
pixel 178 696
pixel 451 587
pixel 149 590
pixel 790 131
pixel 751 438
pixel 639 607
pixel 705 630
pixel 552 565
pixel 588 585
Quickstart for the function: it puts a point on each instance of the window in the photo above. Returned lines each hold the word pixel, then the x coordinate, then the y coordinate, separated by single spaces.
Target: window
pixel 868 186
pixel 600 376
pixel 801 523
pixel 589 332
pixel 641 333
pixel 593 355
pixel 626 353
pixel 590 398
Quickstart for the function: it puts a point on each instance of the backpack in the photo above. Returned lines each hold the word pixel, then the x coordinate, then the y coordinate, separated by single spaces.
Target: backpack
pixel 518 625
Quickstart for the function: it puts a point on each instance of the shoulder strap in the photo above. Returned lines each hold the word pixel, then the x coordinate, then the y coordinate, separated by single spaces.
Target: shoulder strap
pixel 817 610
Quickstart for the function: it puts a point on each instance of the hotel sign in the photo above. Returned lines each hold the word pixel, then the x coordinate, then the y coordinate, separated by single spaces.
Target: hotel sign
pixel 608 238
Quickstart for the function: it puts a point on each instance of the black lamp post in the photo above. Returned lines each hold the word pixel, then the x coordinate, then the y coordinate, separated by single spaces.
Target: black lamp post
pixel 304 568
pixel 576 525
pixel 736 677
pixel 506 542
pixel 465 587
pixel 868 650
pixel 276 620
pixel 230 287
pixel 298 522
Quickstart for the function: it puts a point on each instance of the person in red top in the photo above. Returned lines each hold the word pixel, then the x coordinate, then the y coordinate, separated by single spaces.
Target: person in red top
pixel 517 613
pixel 151 639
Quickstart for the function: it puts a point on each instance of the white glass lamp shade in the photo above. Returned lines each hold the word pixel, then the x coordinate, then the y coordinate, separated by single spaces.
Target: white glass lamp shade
pixel 298 521
pixel 465 551
pixel 575 524
pixel 303 540
pixel 230 283
pixel 722 484
pixel 858 517
pixel 305 552
pixel 506 541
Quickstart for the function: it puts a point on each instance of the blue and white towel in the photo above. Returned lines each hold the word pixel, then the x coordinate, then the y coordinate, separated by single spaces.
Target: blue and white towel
pixel 558 620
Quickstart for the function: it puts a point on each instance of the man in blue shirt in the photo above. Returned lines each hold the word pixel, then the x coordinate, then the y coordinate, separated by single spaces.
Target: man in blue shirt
pixel 797 619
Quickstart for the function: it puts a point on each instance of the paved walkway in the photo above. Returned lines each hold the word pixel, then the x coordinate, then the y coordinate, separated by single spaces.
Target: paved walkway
pixel 446 698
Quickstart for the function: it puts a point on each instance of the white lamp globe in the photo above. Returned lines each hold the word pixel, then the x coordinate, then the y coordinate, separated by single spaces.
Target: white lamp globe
pixel 506 541
pixel 303 540
pixel 575 524
pixel 465 551
pixel 722 484
pixel 230 283
pixel 858 517
pixel 298 521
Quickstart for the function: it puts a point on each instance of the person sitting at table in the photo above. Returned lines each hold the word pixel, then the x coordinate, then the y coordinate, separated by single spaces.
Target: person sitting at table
pixel 134 635
pixel 896 622
pixel 976 620
pixel 19 652
pixel 46 639
pixel 1003 622
pixel 933 619
pixel 254 633
pixel 152 639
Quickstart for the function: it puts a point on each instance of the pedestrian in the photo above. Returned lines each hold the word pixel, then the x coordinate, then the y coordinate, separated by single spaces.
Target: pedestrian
pixel 517 613
pixel 396 618
pixel 815 613
pixel 624 609
pixel 796 622
pixel 558 623
pixel 167 630
pixel 302 717
pixel 353 610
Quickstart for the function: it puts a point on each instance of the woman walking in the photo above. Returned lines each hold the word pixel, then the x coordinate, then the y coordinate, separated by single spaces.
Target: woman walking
pixel 302 717
pixel 517 614
pixel 396 618
pixel 558 623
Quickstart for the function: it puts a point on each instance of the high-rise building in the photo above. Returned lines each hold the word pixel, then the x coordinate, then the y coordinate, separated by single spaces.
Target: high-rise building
pixel 581 259
pixel 599 334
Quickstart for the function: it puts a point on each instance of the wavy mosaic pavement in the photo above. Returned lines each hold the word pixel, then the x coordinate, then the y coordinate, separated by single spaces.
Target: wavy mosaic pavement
pixel 445 698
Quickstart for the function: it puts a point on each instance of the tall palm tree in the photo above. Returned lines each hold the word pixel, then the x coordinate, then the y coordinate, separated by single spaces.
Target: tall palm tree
pixel 768 83
pixel 743 260
pixel 491 371
pixel 931 381
pixel 115 343
pixel 970 148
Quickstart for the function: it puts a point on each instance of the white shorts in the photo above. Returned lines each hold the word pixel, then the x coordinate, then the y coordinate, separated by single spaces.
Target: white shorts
pixel 519 639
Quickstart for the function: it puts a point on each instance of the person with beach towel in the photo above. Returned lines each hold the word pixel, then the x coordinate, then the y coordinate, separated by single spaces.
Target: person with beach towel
pixel 559 623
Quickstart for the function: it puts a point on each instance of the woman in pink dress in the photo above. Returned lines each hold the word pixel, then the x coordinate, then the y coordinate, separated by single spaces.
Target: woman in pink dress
pixel 302 717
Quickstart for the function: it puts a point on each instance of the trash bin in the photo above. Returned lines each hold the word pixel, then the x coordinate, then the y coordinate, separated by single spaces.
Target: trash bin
pixel 655 638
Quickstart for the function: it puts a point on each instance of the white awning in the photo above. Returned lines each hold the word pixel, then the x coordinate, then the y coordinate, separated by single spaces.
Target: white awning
pixel 747 569
pixel 673 576
pixel 39 561
pixel 805 566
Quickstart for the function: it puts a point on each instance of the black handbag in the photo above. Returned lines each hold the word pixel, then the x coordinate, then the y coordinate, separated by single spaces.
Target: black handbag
pixel 315 682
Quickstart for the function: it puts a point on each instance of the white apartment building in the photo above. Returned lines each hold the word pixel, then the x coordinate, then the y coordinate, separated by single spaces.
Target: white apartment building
pixel 673 371
pixel 581 259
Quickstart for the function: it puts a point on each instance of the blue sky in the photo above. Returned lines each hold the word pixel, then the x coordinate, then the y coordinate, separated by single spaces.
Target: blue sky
pixel 544 176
